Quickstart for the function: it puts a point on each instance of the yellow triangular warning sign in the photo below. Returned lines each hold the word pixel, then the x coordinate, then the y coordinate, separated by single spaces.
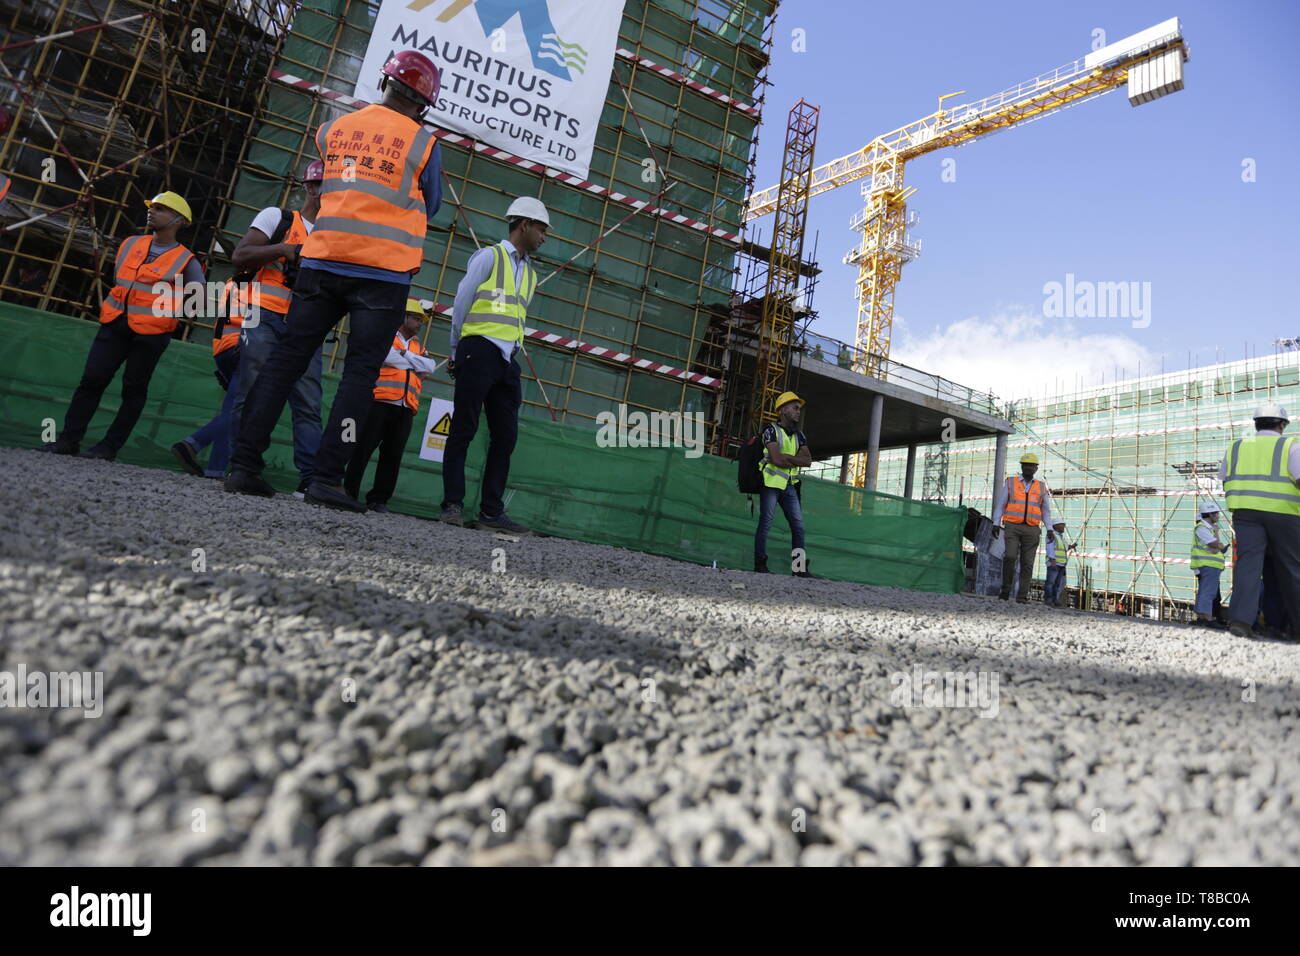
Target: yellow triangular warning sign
pixel 444 425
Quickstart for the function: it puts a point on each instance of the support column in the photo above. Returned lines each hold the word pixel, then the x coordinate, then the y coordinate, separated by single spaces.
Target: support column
pixel 844 470
pixel 873 441
pixel 999 467
pixel 911 471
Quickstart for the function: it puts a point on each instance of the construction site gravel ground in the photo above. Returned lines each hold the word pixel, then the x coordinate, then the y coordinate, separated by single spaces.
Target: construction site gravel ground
pixel 284 684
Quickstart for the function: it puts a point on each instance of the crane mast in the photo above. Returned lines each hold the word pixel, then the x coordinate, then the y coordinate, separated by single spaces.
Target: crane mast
pixel 1150 62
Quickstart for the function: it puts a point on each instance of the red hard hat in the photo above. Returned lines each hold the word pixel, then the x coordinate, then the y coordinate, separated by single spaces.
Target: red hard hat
pixel 315 171
pixel 415 71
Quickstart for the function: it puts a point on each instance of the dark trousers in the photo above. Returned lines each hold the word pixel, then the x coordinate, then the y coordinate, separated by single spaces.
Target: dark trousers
pixel 485 381
pixel 788 499
pixel 1021 543
pixel 1261 533
pixel 115 345
pixel 320 299
pixel 217 432
pixel 387 428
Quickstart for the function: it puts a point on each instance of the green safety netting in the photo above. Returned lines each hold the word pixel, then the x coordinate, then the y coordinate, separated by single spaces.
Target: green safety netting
pixel 562 482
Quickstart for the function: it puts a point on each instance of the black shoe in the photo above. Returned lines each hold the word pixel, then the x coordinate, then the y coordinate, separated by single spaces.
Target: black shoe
pixel 244 483
pixel 331 496
pixel 378 507
pixel 100 451
pixel 1021 600
pixel 301 491
pixel 760 566
pixel 1004 596
pixel 502 522
pixel 453 515
pixel 184 453
pixel 61 446
pixel 1239 629
pixel 805 573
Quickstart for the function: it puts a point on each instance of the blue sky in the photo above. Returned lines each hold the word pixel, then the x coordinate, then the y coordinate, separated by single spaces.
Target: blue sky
pixel 1105 191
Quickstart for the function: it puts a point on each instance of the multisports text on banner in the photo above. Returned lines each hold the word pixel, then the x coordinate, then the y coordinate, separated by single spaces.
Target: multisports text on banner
pixel 526 76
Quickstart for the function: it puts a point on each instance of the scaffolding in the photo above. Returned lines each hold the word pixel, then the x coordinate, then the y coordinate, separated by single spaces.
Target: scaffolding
pixel 624 322
pixel 113 102
pixel 1127 464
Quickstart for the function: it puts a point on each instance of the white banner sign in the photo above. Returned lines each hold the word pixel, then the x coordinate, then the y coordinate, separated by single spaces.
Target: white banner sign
pixel 525 76
pixel 436 429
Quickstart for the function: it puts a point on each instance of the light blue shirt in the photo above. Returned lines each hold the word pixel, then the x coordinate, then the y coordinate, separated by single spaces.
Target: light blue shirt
pixel 1000 501
pixel 477 270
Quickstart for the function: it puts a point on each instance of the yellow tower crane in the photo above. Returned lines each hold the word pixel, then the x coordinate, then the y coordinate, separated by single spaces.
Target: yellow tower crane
pixel 1150 62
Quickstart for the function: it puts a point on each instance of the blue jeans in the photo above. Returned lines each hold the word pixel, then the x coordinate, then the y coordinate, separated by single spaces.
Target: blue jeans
pixel 789 500
pixel 374 308
pixel 1055 584
pixel 1207 589
pixel 217 432
pixel 255 346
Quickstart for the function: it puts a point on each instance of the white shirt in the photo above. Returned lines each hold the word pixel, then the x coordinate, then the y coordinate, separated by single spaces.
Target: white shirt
pixel 269 218
pixel 1292 460
pixel 1207 533
pixel 407 360
pixel 1000 501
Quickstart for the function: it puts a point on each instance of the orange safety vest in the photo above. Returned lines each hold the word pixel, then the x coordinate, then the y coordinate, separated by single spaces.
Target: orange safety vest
pixel 133 292
pixel 271 289
pixel 229 337
pixel 1022 508
pixel 400 384
pixel 372 212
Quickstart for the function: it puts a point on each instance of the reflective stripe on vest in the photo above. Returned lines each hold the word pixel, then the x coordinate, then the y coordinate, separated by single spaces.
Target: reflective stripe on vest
pixel 1022 508
pixel 234 309
pixel 400 384
pixel 1060 556
pixel 1203 557
pixel 773 476
pixel 1257 476
pixel 372 212
pixel 500 306
pixel 135 279
pixel 270 286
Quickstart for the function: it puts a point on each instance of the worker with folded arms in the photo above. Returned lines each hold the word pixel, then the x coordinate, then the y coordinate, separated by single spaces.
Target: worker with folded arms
pixel 1208 547
pixel 380 187
pixel 487 331
pixel 388 425
pixel 1261 482
pixel 1057 557
pixel 136 325
pixel 1020 508
pixel 785 452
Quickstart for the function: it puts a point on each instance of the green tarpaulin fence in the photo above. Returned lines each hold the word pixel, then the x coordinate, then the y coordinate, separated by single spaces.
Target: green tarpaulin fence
pixel 561 481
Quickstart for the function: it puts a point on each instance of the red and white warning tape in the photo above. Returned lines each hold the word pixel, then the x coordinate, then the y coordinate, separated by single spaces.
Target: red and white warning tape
pixel 697 87
pixel 465 142
pixel 612 355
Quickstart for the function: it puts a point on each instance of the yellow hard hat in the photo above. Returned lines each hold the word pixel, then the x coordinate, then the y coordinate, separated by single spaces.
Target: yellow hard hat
pixel 785 398
pixel 172 201
pixel 413 305
pixel 1029 458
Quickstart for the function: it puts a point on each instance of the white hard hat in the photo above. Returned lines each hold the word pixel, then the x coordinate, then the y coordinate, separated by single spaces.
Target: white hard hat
pixel 1209 508
pixel 1271 411
pixel 526 207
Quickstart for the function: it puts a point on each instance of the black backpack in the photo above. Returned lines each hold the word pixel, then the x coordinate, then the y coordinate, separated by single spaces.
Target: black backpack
pixel 749 477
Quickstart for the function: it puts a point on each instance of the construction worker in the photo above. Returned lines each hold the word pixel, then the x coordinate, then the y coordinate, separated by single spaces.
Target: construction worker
pixel 1057 557
pixel 225 353
pixel 388 425
pixel 1208 547
pixel 136 324
pixel 1020 507
pixel 381 184
pixel 267 260
pixel 1261 481
pixel 785 452
pixel 487 330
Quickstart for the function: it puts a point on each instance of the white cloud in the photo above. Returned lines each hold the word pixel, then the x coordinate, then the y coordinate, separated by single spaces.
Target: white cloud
pixel 1017 354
